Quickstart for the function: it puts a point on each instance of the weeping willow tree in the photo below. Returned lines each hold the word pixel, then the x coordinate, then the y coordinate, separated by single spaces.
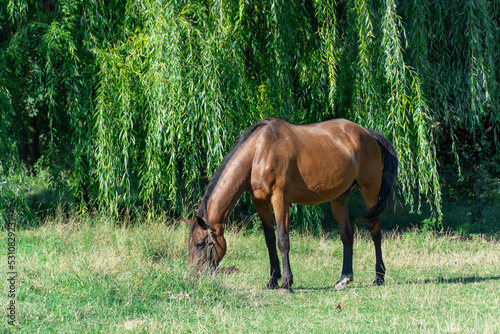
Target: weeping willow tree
pixel 138 101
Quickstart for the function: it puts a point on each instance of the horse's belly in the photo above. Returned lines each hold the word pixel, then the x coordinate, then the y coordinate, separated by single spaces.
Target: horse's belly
pixel 316 194
pixel 321 184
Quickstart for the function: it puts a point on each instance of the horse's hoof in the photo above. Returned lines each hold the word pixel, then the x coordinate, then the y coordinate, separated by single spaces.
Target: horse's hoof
pixel 285 290
pixel 340 286
pixel 271 286
pixel 287 285
pixel 342 283
pixel 378 282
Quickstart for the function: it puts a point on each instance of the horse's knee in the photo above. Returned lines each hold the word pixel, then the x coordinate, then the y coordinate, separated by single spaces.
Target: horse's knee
pixel 284 246
pixel 270 237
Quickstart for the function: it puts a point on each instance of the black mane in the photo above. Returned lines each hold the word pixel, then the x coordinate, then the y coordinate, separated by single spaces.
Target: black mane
pixel 240 140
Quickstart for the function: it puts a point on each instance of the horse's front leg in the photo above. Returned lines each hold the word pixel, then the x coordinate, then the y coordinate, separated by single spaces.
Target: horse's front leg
pixel 281 212
pixel 265 212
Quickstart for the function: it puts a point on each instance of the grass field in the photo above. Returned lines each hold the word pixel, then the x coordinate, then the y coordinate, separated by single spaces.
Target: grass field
pixel 92 275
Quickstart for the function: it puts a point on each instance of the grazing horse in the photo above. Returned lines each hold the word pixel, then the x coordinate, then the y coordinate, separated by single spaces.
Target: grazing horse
pixel 278 163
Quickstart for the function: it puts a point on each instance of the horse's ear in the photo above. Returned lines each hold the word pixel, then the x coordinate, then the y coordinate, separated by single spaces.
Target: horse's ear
pixel 201 221
pixel 188 221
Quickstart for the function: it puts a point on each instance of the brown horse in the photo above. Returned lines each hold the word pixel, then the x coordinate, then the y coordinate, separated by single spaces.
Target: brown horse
pixel 279 163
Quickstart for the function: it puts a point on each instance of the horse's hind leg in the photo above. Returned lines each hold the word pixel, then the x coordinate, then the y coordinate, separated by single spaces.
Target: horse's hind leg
pixel 370 195
pixel 265 212
pixel 376 231
pixel 341 213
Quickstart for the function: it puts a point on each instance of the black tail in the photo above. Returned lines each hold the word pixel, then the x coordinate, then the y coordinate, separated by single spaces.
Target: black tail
pixel 389 172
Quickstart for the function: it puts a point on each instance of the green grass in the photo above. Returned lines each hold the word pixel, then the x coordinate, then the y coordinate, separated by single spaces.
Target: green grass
pixel 91 275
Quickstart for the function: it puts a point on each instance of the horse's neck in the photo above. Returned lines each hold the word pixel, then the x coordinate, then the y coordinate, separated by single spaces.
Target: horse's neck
pixel 233 182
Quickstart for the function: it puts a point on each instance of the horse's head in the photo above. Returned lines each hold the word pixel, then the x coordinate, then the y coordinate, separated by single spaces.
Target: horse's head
pixel 206 245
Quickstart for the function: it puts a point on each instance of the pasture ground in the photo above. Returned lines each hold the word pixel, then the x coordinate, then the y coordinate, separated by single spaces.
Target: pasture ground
pixel 93 275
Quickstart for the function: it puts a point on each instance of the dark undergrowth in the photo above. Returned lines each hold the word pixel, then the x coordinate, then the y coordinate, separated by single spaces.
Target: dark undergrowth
pixel 470 207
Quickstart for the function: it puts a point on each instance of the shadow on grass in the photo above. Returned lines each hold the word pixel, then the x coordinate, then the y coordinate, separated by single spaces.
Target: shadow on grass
pixel 439 280
pixel 456 280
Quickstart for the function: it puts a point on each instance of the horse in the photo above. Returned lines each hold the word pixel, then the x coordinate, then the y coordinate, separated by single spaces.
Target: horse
pixel 278 163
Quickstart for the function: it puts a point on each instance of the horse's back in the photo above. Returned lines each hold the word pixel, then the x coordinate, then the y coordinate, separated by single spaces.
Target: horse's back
pixel 324 141
pixel 338 129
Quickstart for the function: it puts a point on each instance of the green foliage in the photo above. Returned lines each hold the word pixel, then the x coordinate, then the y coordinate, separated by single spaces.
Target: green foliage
pixel 14 206
pixel 136 102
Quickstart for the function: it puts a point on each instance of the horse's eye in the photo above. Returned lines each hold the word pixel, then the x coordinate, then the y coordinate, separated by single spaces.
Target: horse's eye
pixel 200 245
